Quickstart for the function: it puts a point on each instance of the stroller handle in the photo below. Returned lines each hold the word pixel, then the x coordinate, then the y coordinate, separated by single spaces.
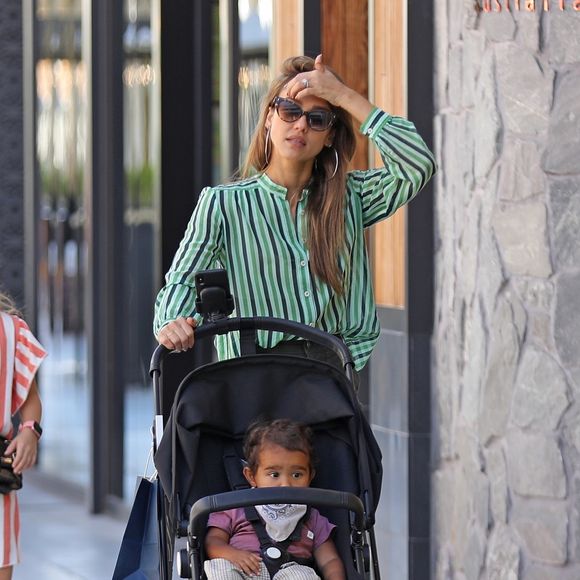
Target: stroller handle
pixel 227 325
pixel 274 495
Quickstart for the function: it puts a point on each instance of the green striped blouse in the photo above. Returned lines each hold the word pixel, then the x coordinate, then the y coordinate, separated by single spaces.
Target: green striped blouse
pixel 247 228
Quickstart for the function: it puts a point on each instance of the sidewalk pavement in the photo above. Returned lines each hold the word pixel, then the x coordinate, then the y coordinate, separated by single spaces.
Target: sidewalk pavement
pixel 60 540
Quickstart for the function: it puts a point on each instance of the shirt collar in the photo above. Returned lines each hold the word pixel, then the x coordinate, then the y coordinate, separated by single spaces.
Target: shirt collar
pixel 276 189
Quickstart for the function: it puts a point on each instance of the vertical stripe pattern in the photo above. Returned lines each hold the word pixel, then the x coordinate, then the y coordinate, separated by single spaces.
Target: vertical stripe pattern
pixel 20 357
pixel 246 227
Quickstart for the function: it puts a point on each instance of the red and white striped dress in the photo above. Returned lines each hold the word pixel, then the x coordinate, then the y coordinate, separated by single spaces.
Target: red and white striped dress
pixel 20 357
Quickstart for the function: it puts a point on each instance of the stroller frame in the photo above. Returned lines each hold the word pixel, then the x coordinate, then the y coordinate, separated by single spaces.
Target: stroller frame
pixel 361 523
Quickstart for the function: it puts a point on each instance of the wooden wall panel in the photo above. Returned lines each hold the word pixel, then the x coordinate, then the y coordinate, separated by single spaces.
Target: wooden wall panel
pixel 345 48
pixel 388 238
pixel 286 32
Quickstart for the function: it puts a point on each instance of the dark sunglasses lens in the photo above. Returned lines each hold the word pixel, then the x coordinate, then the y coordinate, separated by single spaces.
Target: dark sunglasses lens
pixel 319 120
pixel 288 110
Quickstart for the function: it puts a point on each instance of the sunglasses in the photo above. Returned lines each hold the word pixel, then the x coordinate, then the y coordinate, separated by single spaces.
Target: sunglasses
pixel 290 111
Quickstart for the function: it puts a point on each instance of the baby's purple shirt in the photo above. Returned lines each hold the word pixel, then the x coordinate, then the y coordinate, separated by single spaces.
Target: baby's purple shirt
pixel 243 537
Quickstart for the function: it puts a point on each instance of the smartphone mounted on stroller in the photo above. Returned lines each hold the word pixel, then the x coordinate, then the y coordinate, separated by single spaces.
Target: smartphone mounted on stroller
pixel 214 300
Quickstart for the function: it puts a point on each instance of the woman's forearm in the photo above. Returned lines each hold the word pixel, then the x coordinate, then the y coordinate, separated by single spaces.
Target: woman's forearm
pixel 31 409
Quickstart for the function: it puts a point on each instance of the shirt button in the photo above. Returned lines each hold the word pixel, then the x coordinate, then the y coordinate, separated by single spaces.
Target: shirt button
pixel 303 263
pixel 311 324
pixel 307 294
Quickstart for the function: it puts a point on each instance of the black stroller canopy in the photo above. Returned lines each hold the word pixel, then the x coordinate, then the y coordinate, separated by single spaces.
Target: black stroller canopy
pixel 215 404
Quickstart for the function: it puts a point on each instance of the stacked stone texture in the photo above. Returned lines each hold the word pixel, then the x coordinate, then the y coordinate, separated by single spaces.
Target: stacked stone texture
pixel 506 393
pixel 11 163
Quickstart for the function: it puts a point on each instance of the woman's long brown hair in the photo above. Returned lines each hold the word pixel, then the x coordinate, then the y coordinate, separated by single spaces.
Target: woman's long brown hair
pixel 325 208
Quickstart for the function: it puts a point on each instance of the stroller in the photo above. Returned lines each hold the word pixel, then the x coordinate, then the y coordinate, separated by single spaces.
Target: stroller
pixel 199 457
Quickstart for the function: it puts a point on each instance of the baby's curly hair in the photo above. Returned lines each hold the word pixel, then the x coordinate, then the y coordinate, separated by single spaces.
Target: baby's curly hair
pixel 288 434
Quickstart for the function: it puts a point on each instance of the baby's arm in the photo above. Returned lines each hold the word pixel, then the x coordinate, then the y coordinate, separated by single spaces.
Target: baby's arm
pixel 25 444
pixel 217 546
pixel 329 562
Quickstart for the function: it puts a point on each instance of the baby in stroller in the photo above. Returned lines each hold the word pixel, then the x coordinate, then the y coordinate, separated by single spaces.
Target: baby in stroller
pixel 199 456
pixel 273 541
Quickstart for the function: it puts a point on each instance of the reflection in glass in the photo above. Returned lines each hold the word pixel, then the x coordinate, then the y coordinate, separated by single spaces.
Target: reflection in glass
pixel 254 72
pixel 61 135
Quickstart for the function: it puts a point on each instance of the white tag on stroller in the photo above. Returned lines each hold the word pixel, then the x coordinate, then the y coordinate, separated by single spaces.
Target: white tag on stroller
pixel 158 430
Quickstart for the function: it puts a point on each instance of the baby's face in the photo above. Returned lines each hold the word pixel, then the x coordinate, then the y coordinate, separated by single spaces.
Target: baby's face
pixel 278 466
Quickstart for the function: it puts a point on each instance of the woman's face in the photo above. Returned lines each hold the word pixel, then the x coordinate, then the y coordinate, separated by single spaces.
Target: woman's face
pixel 296 140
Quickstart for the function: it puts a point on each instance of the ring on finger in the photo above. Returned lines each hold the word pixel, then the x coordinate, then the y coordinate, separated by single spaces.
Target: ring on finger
pixel 305 83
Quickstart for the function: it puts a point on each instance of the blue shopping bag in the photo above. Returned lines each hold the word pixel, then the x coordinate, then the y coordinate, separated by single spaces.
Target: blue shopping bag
pixel 139 552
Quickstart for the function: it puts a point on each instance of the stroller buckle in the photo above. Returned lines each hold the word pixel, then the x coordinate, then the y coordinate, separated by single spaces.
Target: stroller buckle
pixel 274 553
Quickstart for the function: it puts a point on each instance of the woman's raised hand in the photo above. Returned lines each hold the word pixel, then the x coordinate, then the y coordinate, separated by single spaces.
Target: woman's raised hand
pixel 178 334
pixel 322 83
pixel 319 82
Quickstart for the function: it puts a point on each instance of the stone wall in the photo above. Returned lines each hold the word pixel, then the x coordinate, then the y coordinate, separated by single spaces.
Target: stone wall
pixel 506 389
pixel 11 161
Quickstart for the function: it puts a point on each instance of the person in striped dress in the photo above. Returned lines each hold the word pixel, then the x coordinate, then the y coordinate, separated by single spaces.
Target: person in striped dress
pixel 20 357
pixel 290 233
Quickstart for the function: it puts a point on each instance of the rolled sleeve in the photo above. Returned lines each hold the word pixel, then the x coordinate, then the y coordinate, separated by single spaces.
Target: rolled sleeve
pixel 408 166
pixel 199 250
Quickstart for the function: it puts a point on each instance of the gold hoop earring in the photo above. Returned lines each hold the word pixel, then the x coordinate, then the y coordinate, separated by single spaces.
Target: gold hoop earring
pixel 266 148
pixel 335 162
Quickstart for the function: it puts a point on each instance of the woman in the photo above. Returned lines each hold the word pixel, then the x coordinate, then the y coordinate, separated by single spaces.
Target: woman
pixel 291 235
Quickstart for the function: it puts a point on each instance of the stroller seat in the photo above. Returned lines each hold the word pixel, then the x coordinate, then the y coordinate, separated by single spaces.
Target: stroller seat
pixel 215 404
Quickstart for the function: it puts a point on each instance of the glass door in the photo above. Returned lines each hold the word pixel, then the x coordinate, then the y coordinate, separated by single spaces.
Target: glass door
pixel 255 29
pixel 140 227
pixel 61 270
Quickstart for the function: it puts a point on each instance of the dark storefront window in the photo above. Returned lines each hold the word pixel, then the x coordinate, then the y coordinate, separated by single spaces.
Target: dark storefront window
pixel 61 133
pixel 61 270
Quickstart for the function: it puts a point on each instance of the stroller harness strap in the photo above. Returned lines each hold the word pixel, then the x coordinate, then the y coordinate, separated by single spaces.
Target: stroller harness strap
pixel 275 554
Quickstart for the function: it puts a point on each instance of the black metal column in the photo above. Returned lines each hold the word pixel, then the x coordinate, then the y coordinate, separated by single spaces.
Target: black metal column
pixel 103 53
pixel 312 26
pixel 420 297
pixel 229 64
pixel 186 120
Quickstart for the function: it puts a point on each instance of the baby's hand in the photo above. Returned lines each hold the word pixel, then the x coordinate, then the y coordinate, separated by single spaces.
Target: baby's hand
pixel 25 446
pixel 247 562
